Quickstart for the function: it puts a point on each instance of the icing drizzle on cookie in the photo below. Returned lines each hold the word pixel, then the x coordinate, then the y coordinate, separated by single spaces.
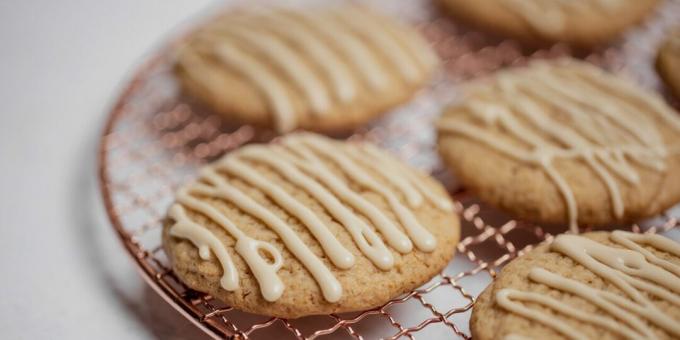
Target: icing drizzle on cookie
pixel 323 56
pixel 549 17
pixel 611 124
pixel 299 159
pixel 632 268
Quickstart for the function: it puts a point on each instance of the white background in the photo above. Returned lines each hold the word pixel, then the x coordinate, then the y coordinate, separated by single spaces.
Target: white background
pixel 63 274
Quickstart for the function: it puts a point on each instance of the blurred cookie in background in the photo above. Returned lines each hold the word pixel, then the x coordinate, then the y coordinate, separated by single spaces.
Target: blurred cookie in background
pixel 564 142
pixel 668 62
pixel 320 69
pixel 581 23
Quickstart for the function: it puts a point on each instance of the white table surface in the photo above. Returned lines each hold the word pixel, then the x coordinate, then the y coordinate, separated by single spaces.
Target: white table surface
pixel 63 274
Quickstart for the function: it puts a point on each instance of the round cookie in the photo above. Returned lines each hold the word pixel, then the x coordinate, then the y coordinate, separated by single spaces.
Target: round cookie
pixel 582 23
pixel 668 62
pixel 323 70
pixel 308 225
pixel 563 142
pixel 593 286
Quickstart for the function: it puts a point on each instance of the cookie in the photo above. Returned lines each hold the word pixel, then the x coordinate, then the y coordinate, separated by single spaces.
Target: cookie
pixel 599 285
pixel 309 225
pixel 581 23
pixel 564 142
pixel 668 62
pixel 323 70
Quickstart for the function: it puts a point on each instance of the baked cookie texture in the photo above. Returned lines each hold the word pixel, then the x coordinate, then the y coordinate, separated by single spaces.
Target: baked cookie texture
pixel 533 295
pixel 668 62
pixel 324 70
pixel 308 225
pixel 581 23
pixel 564 142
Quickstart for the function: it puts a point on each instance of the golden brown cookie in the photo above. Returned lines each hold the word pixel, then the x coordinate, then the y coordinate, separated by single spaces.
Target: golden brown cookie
pixel 581 23
pixel 668 62
pixel 309 225
pixel 323 69
pixel 600 285
pixel 564 142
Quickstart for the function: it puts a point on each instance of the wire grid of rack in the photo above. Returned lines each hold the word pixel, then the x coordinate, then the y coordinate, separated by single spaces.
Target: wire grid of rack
pixel 155 139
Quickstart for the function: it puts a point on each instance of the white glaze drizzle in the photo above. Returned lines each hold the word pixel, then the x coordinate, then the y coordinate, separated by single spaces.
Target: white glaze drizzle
pixel 265 273
pixel 313 166
pixel 632 269
pixel 335 69
pixel 273 88
pixel 610 129
pixel 340 256
pixel 285 59
pixel 412 176
pixel 414 42
pixel 549 17
pixel 205 241
pixel 421 237
pixel 322 185
pixel 330 287
pixel 351 47
pixel 369 243
pixel 367 27
pixel 389 173
pixel 323 55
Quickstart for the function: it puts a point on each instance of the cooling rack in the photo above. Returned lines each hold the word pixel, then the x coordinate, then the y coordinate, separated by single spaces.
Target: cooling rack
pixel 155 139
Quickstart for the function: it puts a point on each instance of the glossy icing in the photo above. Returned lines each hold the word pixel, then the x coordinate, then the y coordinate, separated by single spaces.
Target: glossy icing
pixel 611 124
pixel 317 59
pixel 631 268
pixel 299 160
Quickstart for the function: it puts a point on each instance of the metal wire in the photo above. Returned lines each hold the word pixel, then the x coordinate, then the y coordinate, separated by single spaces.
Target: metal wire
pixel 155 139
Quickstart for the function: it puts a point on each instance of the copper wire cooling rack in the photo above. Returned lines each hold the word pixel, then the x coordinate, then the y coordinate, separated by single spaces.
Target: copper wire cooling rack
pixel 155 139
